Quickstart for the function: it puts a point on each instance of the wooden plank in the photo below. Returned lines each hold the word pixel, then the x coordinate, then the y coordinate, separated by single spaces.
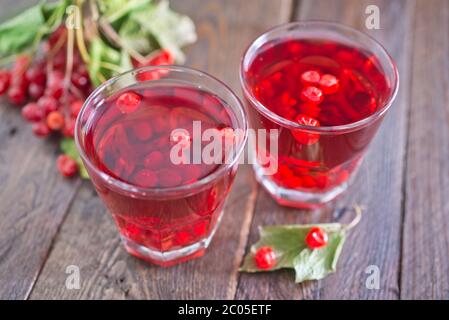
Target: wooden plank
pixel 424 265
pixel 33 196
pixel 376 240
pixel 88 238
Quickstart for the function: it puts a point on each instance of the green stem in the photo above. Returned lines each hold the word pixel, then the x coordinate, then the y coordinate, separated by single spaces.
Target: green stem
pixel 111 67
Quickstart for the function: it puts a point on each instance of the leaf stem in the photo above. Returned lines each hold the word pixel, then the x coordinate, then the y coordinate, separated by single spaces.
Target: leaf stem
pixel 111 67
pixel 113 36
pixel 358 216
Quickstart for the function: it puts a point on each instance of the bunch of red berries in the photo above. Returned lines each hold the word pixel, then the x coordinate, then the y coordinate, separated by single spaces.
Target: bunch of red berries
pixel 54 96
pixel 50 91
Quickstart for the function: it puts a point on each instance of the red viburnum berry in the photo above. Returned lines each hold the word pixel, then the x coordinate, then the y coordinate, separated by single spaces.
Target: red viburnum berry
pixel 145 178
pixel 304 137
pixel 32 112
pixel 316 238
pixel 265 258
pixel 310 77
pixel 5 78
pixel 17 95
pixel 69 128
pixel 329 84
pixel 48 104
pixel 66 165
pixel 153 160
pixel 41 129
pixel 312 94
pixel 128 102
pixel 55 120
pixel 75 107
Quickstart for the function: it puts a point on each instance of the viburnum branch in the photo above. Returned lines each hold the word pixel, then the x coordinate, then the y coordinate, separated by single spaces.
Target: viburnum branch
pixel 80 34
pixel 58 45
pixel 69 62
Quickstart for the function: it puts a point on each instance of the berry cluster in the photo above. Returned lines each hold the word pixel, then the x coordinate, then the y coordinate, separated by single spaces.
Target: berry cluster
pixel 52 90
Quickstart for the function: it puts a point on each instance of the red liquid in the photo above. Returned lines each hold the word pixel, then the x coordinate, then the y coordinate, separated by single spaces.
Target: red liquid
pixel 316 83
pixel 133 145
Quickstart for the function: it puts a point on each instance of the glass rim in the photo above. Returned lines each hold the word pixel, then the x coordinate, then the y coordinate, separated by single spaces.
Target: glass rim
pixel 144 191
pixel 327 129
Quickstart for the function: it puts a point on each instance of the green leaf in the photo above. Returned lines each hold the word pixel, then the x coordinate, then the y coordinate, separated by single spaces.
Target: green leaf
pixel 288 243
pixel 114 10
pixel 53 13
pixel 171 30
pixel 317 264
pixel 19 33
pixel 68 147
pixel 24 31
pixel 137 38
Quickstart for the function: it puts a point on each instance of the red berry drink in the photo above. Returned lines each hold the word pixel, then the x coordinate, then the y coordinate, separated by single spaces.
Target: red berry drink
pixel 325 87
pixel 166 203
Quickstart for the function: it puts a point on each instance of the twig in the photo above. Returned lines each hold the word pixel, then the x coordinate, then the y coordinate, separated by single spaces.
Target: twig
pixel 112 35
pixel 79 34
pixel 69 64
pixel 358 216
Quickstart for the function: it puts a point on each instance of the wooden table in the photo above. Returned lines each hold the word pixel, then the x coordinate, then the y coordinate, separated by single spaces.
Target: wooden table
pixel 48 223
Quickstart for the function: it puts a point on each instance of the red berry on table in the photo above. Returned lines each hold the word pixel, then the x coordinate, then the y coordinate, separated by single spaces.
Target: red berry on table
pixel 329 84
pixel 81 81
pixel 265 258
pixel 55 84
pixel 75 107
pixel 55 120
pixel 5 78
pixel 66 165
pixel 16 95
pixel 128 102
pixel 312 94
pixel 48 104
pixel 310 77
pixel 36 90
pixel 69 128
pixel 41 129
pixel 316 238
pixel 36 74
pixel 304 137
pixel 32 112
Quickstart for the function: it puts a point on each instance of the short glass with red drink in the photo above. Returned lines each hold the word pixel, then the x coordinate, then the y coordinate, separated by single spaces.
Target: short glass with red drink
pixel 326 88
pixel 142 137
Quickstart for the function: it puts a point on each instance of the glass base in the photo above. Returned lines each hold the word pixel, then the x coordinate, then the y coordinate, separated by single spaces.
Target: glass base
pixel 172 257
pixel 296 198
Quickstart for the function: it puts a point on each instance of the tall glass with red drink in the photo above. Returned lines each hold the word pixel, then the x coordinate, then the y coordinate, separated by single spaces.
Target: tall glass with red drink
pixel 326 88
pixel 142 137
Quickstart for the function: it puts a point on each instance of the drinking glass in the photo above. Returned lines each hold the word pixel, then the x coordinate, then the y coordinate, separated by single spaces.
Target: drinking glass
pixel 317 156
pixel 165 213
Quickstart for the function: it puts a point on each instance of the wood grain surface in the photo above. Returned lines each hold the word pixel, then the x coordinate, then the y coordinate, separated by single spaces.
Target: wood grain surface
pixel 425 264
pixel 48 223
